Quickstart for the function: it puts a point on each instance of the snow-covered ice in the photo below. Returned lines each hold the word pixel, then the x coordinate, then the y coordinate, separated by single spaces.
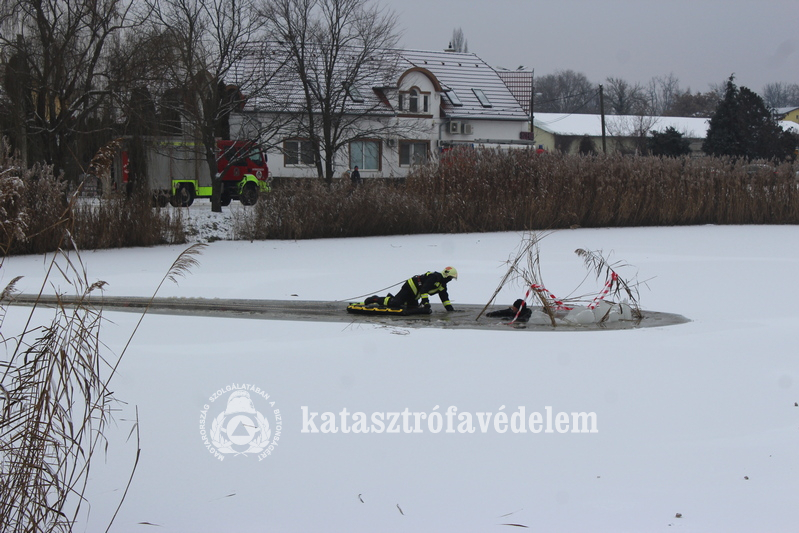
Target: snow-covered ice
pixel 698 419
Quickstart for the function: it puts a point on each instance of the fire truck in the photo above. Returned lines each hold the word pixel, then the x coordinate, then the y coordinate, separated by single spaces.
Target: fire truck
pixel 177 170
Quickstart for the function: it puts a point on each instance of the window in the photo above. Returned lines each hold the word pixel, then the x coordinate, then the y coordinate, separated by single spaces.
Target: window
pixel 453 98
pixel 298 153
pixel 413 152
pixel 484 101
pixel 236 155
pixel 365 155
pixel 355 94
pixel 257 157
pixel 414 101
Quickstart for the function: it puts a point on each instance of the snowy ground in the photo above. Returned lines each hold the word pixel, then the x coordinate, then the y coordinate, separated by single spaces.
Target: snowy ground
pixel 698 419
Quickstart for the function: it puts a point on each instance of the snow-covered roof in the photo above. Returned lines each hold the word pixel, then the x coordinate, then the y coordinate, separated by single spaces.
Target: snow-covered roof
pixel 591 125
pixel 283 90
pixel 464 75
pixel 789 125
pixel 461 73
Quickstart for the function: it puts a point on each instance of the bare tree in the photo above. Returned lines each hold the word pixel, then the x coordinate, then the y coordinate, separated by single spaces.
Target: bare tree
pixel 459 43
pixel 625 99
pixel 630 132
pixel 662 91
pixel 781 94
pixel 338 52
pixel 206 40
pixel 687 104
pixel 55 63
pixel 719 89
pixel 566 91
pixel 137 72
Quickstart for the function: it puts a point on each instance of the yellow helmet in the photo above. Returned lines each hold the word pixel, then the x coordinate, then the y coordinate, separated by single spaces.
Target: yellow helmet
pixel 450 272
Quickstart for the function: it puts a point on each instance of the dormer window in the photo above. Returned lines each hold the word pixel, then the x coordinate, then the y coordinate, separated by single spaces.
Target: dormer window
pixel 414 101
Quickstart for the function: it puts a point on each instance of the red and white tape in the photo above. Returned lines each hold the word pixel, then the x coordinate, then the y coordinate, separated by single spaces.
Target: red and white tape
pixel 605 291
pixel 559 305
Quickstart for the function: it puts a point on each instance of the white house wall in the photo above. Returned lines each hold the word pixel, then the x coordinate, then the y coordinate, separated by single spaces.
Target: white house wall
pixel 436 131
pixel 494 131
pixel 497 125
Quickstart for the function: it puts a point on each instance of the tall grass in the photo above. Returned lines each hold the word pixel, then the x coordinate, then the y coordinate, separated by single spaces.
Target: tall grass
pixel 490 190
pixel 55 399
pixel 311 209
pixel 54 407
pixel 123 221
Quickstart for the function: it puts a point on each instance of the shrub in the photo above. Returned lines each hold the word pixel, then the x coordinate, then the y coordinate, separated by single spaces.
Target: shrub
pixel 38 215
pixel 124 221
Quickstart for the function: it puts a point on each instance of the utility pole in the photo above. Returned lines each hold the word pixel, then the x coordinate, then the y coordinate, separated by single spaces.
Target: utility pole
pixel 532 105
pixel 602 114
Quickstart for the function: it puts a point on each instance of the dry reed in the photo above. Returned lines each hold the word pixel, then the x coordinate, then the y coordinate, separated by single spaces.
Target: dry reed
pixel 56 401
pixel 36 213
pixel 518 190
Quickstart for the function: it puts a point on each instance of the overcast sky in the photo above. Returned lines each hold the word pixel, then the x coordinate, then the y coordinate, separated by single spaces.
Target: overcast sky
pixel 701 42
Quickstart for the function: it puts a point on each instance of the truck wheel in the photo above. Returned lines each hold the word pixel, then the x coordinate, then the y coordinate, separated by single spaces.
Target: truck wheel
pixel 184 196
pixel 249 196
pixel 225 199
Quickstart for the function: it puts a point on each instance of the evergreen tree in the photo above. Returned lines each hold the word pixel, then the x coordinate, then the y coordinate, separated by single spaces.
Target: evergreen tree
pixel 743 127
pixel 669 143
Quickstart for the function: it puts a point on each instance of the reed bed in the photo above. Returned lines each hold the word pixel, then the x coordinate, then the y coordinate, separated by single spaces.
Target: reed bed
pixel 467 191
pixel 518 190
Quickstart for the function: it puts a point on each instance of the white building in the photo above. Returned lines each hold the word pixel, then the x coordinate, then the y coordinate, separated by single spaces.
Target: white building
pixel 438 100
pixel 565 131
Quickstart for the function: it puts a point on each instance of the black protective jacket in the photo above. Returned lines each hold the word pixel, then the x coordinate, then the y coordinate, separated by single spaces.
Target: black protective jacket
pixel 421 287
pixel 524 316
pixel 430 283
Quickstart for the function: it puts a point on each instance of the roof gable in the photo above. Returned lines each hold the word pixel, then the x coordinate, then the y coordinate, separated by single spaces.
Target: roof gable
pixel 460 73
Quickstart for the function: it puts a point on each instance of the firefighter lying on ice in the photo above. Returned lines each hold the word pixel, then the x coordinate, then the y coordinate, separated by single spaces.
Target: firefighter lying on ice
pixel 420 287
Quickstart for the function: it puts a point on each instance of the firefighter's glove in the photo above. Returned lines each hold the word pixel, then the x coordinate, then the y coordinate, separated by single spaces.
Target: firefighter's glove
pixel 449 307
